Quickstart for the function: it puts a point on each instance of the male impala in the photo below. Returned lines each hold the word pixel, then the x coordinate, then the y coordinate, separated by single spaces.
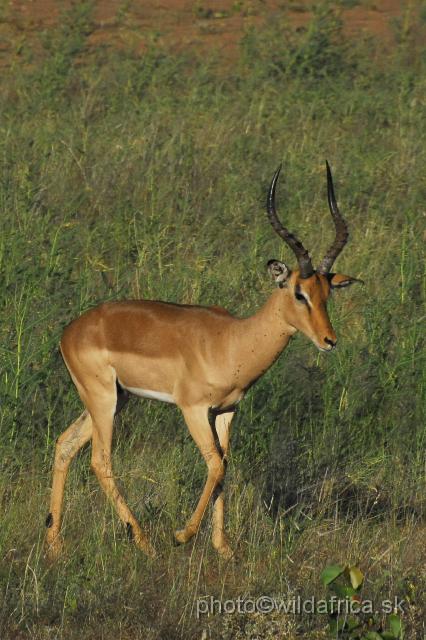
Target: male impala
pixel 202 359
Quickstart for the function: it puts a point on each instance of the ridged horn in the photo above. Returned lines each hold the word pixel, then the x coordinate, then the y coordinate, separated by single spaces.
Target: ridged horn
pixel 305 264
pixel 342 233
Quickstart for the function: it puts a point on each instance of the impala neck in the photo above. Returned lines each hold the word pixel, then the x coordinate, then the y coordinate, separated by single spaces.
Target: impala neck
pixel 261 338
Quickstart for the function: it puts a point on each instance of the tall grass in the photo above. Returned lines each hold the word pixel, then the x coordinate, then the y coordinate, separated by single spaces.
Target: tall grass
pixel 128 176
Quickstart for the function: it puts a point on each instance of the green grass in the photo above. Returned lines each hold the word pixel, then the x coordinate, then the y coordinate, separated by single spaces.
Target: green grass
pixel 126 176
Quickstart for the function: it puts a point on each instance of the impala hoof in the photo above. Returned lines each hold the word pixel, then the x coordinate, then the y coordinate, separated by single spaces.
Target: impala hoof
pixel 224 550
pixel 144 545
pixel 182 536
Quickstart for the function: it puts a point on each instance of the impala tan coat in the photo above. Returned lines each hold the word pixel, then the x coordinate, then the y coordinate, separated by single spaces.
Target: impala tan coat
pixel 202 359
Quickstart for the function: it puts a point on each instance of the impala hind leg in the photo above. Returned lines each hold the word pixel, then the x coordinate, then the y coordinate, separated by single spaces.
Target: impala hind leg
pixel 222 425
pixel 102 412
pixel 201 431
pixel 68 444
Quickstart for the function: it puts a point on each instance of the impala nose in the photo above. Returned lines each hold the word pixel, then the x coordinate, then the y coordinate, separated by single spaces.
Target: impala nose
pixel 332 343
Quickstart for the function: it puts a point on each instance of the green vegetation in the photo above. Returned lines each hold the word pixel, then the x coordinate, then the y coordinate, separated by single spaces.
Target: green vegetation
pixel 145 176
pixel 351 617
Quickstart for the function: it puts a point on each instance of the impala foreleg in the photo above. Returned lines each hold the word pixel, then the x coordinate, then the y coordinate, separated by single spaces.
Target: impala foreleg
pixel 222 426
pixel 199 427
pixel 67 446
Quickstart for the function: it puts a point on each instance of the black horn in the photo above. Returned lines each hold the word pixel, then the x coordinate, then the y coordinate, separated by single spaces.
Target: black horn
pixel 305 264
pixel 342 233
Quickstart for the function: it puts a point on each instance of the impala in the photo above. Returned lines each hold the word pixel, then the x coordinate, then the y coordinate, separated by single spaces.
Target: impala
pixel 203 359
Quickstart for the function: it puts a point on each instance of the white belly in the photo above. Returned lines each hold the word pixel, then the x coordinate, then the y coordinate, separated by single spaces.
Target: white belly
pixel 146 393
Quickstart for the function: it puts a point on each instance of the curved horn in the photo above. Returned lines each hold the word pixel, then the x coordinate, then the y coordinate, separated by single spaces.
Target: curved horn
pixel 342 233
pixel 305 264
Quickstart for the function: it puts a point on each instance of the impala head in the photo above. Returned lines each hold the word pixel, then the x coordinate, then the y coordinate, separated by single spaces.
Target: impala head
pixel 307 289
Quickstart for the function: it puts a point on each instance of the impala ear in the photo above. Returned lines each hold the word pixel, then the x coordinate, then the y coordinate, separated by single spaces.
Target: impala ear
pixel 279 271
pixel 339 280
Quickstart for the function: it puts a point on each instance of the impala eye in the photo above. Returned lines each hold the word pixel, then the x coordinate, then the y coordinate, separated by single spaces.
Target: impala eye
pixel 300 297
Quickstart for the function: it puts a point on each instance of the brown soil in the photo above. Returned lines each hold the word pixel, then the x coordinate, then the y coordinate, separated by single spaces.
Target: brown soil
pixel 205 26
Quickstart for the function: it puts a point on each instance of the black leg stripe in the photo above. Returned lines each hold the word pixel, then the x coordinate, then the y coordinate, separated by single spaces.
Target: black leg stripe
pixel 211 414
pixel 217 491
